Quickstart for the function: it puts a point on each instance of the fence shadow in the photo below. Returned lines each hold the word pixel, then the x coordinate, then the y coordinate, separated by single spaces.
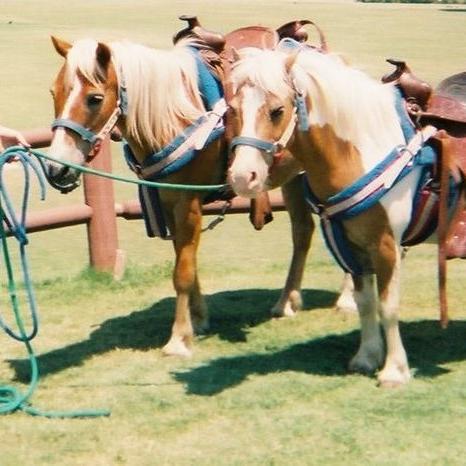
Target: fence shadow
pixel 427 345
pixel 232 314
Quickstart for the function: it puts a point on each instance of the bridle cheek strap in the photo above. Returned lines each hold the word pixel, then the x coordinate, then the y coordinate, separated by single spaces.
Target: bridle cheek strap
pixel 105 131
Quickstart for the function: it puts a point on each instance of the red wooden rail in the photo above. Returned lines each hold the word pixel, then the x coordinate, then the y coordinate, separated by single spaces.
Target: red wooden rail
pixel 99 210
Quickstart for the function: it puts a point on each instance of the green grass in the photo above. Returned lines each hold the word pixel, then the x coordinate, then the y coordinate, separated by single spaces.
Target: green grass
pixel 256 391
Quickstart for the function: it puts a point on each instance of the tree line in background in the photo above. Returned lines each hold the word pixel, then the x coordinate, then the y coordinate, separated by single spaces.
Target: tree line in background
pixel 442 2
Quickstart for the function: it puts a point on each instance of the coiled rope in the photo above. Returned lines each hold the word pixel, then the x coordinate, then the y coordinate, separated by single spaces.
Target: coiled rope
pixel 11 399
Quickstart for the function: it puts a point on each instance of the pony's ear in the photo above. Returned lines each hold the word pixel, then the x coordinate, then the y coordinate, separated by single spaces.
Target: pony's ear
pixel 61 46
pixel 234 55
pixel 103 55
pixel 290 60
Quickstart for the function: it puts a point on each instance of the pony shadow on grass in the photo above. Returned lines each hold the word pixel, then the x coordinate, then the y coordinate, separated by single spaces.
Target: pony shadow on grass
pixel 427 345
pixel 232 314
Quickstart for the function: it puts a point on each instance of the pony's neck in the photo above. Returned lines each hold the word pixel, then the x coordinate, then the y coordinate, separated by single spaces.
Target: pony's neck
pixel 354 123
pixel 330 162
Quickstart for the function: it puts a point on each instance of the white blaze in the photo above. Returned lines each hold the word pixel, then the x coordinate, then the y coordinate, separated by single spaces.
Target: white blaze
pixel 63 146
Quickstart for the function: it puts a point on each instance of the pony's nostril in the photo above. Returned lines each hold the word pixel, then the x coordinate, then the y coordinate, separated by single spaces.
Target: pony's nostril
pixel 57 171
pixel 253 177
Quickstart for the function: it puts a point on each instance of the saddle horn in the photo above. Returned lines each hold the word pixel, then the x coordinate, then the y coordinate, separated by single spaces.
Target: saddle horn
pixel 214 40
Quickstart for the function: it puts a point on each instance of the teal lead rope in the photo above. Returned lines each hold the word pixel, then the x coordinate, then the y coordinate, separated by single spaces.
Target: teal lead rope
pixel 17 150
pixel 11 399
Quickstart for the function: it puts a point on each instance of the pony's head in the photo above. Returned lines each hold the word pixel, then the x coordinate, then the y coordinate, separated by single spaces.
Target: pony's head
pixel 151 94
pixel 348 116
pixel 261 112
pixel 86 101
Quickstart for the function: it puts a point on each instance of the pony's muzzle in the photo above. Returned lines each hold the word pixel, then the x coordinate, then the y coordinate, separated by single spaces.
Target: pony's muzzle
pixel 248 171
pixel 56 170
pixel 62 177
pixel 244 184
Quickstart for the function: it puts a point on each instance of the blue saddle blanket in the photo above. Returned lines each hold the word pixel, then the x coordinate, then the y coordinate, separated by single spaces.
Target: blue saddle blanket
pixel 211 92
pixel 332 228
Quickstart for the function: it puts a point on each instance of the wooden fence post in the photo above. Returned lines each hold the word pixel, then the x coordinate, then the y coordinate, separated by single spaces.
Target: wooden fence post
pixel 102 230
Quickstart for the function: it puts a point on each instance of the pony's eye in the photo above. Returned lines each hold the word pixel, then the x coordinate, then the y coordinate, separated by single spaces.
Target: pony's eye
pixel 276 113
pixel 94 100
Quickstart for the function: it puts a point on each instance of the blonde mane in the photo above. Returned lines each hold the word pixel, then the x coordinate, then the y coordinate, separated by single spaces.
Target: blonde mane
pixel 162 88
pixel 355 105
pixel 263 68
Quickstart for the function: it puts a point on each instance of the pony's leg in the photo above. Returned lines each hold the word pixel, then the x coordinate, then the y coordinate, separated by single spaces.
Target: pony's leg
pixel 198 308
pixel 346 302
pixel 302 228
pixel 396 369
pixel 369 356
pixel 187 219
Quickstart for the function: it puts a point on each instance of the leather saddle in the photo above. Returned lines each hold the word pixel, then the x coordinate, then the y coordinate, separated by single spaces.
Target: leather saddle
pixel 444 108
pixel 217 51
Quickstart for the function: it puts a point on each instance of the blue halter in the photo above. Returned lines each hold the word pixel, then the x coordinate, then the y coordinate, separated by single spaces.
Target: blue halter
pixel 270 148
pixel 86 134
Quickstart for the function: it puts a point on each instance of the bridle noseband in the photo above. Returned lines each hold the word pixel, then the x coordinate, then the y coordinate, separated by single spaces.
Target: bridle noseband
pixel 271 149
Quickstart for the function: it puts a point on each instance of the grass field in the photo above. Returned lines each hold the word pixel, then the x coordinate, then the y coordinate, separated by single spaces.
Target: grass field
pixel 256 392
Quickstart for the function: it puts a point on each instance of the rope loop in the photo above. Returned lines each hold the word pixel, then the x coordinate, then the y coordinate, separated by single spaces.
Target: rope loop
pixel 11 399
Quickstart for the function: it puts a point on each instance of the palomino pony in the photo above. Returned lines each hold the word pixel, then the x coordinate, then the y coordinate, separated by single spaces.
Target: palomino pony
pixel 350 125
pixel 152 96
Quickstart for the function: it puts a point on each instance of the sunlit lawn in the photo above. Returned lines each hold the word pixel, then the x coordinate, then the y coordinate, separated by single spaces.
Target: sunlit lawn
pixel 256 391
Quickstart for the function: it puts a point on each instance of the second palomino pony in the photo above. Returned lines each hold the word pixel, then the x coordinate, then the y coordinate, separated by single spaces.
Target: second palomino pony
pixel 364 163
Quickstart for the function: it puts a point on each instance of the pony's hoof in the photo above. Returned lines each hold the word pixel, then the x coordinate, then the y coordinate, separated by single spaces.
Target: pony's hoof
pixel 201 327
pixel 365 363
pixel 288 308
pixel 362 367
pixel 177 348
pixel 346 304
pixel 393 378
pixel 279 312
